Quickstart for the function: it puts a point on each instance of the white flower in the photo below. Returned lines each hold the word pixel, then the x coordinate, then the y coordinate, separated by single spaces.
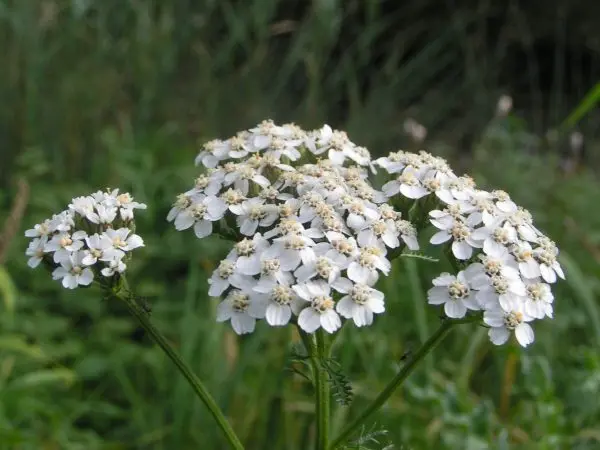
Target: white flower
pixel 241 310
pixel 291 250
pixel 36 251
pixel 320 312
pixel 126 204
pixel 379 233
pixel 463 239
pixel 408 184
pixel 224 276
pixel 73 272
pixel 321 266
pixel 106 213
pixel 538 300
pixel 200 214
pixel 248 254
pixel 527 264
pixel 85 206
pixel 115 265
pixel 502 323
pixel 241 177
pixel 364 269
pixel 123 239
pixel 504 288
pixel 280 300
pixel 408 234
pixel 340 249
pixel 41 230
pixel 253 213
pixel 496 239
pixel 360 213
pixel 100 247
pixel 64 244
pixel 549 266
pixel 336 143
pixel 271 274
pixel 459 189
pixel 213 152
pixel 360 303
pixel 454 292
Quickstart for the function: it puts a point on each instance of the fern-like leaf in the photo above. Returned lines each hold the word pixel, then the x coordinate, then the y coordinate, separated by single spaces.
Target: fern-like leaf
pixel 340 384
pixel 420 256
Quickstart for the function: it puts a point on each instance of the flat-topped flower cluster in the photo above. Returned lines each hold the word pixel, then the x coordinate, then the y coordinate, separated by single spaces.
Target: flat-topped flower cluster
pixel 507 263
pixel 89 239
pixel 316 234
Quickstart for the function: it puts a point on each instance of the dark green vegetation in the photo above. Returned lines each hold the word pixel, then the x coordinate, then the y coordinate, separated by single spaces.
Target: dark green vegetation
pixel 116 93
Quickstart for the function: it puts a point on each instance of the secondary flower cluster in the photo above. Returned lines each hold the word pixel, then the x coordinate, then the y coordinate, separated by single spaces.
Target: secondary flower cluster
pixel 92 237
pixel 508 264
pixel 317 233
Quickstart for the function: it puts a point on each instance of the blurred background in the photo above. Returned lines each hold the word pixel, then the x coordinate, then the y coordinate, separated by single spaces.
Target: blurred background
pixel 122 93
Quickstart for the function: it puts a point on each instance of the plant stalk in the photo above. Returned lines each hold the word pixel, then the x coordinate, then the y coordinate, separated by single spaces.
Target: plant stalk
pixel 410 365
pixel 142 316
pixel 323 397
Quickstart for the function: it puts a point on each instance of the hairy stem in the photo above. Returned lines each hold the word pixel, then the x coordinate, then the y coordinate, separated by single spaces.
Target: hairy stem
pixel 142 316
pixel 323 393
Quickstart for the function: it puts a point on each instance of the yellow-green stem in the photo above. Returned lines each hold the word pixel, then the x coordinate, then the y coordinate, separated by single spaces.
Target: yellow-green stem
pixel 142 316
pixel 406 370
pixel 323 397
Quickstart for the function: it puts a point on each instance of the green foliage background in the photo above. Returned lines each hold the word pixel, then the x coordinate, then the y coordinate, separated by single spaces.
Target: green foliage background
pixel 121 93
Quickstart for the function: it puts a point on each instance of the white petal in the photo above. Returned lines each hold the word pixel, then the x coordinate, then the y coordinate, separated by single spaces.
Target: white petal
pixel 242 324
pixel 440 237
pixel 358 273
pixel 309 320
pixel 224 311
pixel 345 307
pixel 330 321
pixel 455 309
pixel 437 295
pixel 217 286
pixel 203 228
pixel 248 265
pixel 183 221
pixel 498 335
pixel 342 285
pixel 362 316
pixel 524 334
pixel 461 250
pixel 278 315
pixel 548 274
pixel 247 226
pixel 86 277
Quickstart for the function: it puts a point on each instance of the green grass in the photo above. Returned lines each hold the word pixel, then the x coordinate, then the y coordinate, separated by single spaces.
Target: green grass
pixel 120 93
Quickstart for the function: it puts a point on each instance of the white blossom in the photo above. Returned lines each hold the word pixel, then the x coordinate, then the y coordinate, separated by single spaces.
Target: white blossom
pixel 502 323
pixel 73 272
pixel 455 293
pixel 360 303
pixel 241 310
pixel 320 311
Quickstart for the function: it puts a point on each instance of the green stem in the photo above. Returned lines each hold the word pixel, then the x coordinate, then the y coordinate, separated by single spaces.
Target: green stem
pixel 323 397
pixel 318 350
pixel 142 316
pixel 406 370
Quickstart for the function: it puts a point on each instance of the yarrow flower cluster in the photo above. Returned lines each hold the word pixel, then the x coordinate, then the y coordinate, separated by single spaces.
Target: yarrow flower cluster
pixel 508 264
pixel 92 238
pixel 314 235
